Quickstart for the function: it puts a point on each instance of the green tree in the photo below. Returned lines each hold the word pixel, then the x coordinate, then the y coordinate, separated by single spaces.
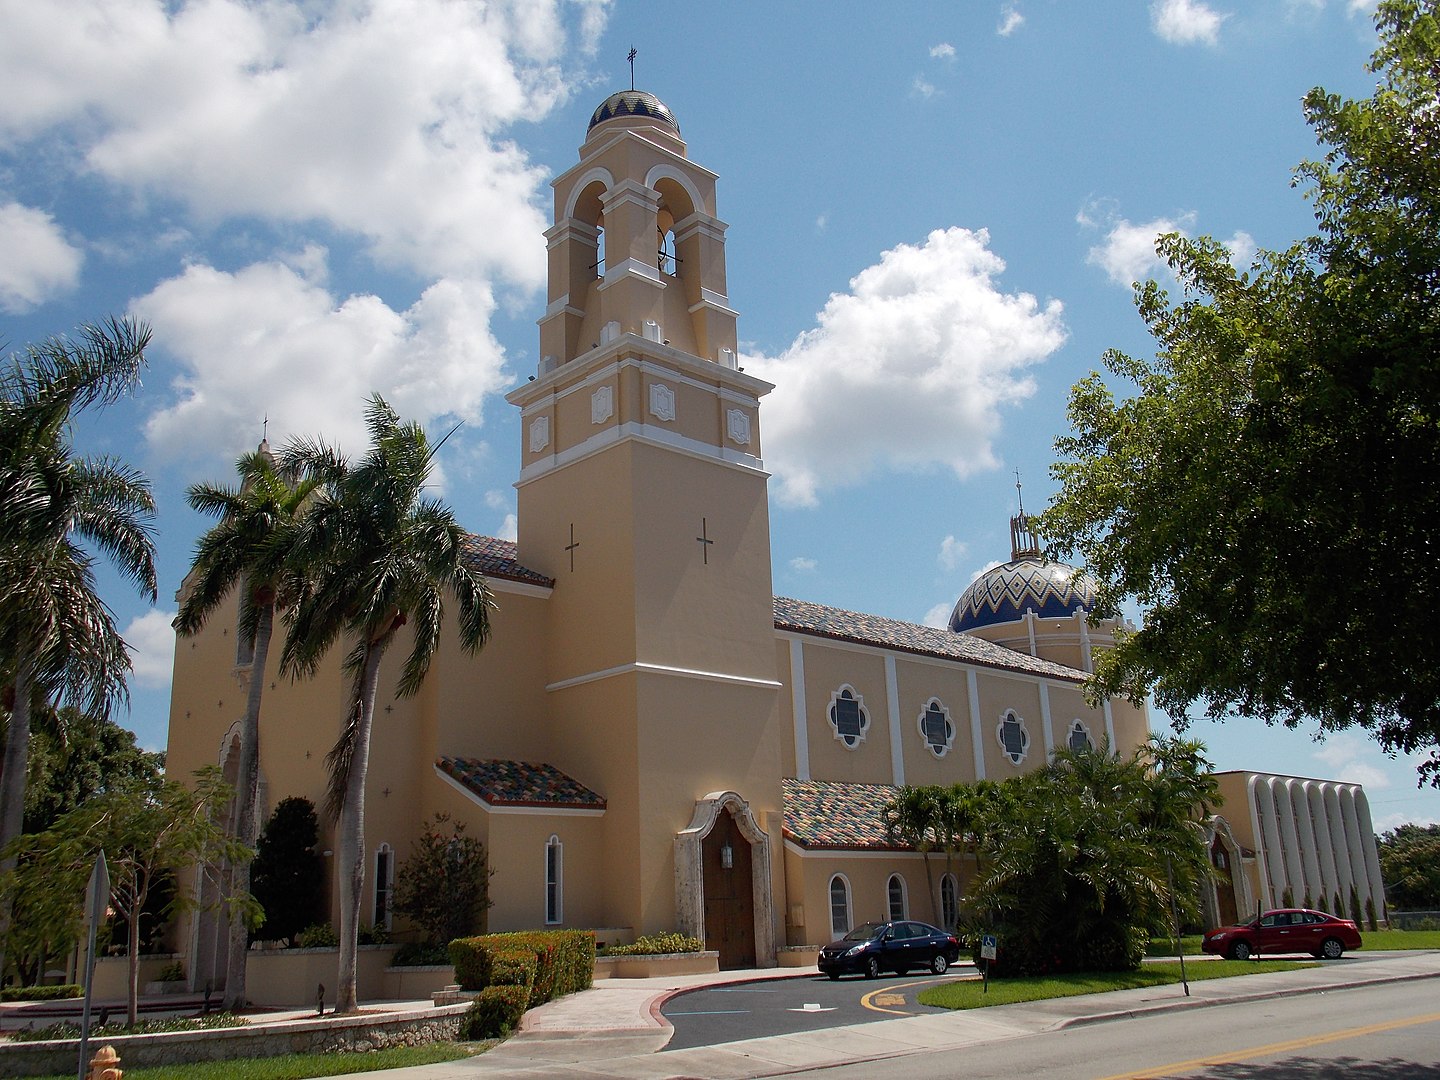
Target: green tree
pixel 147 831
pixel 74 756
pixel 913 818
pixel 1275 460
pixel 288 878
pixel 372 555
pixel 1079 872
pixel 248 549
pixel 444 886
pixel 58 641
pixel 1410 866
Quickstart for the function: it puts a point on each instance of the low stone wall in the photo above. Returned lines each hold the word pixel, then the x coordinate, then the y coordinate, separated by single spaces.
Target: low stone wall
pixel 328 1034
pixel 799 956
pixel 662 964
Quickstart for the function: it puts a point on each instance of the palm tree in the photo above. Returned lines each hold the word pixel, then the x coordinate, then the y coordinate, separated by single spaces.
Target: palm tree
pixel 249 548
pixel 58 641
pixel 372 555
pixel 912 818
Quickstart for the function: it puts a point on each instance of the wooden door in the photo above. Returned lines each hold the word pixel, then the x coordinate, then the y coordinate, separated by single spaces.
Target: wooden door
pixel 1224 884
pixel 729 894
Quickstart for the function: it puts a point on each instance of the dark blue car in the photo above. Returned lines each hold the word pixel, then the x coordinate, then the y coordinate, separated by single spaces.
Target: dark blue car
pixel 890 946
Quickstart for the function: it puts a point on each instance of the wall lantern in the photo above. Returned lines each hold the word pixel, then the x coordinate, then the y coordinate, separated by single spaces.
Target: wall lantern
pixel 727 856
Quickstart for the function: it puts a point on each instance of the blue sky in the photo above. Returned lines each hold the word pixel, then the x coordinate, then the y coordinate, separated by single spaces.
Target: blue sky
pixel 936 211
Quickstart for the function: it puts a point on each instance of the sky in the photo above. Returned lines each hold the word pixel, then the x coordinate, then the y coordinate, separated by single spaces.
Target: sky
pixel 936 213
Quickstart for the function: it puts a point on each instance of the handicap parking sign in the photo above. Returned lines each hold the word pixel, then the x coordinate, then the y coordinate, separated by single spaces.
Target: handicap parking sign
pixel 987 947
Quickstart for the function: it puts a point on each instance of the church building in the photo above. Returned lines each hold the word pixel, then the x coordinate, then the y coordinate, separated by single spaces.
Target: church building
pixel 652 740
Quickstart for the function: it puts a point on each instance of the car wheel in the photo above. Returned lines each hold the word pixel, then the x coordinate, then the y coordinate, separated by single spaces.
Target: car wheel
pixel 872 968
pixel 939 965
pixel 1240 951
pixel 1331 949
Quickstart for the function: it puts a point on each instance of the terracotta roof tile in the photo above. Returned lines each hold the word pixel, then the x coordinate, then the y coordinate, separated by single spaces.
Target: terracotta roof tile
pixel 804 617
pixel 519 783
pixel 496 558
pixel 821 814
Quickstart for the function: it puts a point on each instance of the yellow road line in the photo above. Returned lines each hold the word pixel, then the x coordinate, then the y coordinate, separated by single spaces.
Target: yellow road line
pixel 1274 1048
pixel 869 1001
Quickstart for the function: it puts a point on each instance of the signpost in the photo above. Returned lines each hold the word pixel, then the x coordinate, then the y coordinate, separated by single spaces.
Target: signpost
pixel 97 901
pixel 987 953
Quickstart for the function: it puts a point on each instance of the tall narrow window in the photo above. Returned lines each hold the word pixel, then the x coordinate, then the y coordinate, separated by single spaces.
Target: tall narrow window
pixel 384 884
pixel 895 896
pixel 839 906
pixel 554 881
pixel 949 901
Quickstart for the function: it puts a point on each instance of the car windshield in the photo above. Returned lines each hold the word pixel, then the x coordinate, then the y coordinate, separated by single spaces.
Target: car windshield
pixel 864 932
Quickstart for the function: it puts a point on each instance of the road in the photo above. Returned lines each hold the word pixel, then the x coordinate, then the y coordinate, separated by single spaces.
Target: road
pixel 1387 1032
pixel 783 1006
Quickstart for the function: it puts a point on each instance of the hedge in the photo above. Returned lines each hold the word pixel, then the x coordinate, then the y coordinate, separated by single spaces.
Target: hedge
pixel 564 962
pixel 496 1012
pixel 41 993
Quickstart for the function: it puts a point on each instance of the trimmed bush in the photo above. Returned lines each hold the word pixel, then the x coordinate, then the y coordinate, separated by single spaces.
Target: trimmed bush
pixel 496 1012
pixel 318 936
pixel 564 960
pixel 658 945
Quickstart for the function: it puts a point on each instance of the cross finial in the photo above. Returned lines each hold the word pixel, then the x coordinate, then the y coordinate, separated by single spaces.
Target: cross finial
pixel 1018 495
pixel 265 428
pixel 631 57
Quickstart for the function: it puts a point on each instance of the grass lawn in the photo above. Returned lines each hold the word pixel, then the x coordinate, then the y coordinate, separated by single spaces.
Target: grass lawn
pixel 301 1066
pixel 969 994
pixel 1189 945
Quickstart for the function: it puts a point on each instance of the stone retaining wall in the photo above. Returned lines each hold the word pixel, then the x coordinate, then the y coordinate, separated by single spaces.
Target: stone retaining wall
pixel 328 1034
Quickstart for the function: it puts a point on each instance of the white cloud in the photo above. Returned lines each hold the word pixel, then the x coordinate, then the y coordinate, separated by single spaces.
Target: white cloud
pixel 1242 248
pixel 1010 20
pixel 801 565
pixel 1127 254
pixel 152 647
pixel 978 574
pixel 385 121
pixel 822 222
pixel 270 339
pixel 909 369
pixel 496 499
pixel 939 615
pixel 1185 22
pixel 1347 756
pixel 922 89
pixel 509 529
pixel 38 261
pixel 951 552
pixel 943 51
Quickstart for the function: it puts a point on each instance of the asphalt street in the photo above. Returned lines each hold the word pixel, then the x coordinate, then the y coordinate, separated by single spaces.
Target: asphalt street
pixel 723 1014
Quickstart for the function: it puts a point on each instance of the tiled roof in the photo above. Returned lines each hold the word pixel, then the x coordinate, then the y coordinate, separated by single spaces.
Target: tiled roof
pixel 804 617
pixel 519 783
pixel 496 558
pixel 843 817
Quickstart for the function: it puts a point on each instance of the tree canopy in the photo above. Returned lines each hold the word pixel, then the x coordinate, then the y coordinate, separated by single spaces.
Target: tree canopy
pixel 1266 491
pixel 1410 865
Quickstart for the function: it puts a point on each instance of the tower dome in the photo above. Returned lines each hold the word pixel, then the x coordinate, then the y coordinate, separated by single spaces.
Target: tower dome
pixel 1025 583
pixel 634 104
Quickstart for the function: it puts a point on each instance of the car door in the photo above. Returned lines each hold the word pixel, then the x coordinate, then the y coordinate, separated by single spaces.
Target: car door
pixel 1273 933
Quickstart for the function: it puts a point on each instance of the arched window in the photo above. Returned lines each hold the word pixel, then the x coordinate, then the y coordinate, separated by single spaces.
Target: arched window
pixel 554 881
pixel 839 905
pixel 848 717
pixel 949 901
pixel 384 884
pixel 1078 737
pixel 1014 739
pixel 895 897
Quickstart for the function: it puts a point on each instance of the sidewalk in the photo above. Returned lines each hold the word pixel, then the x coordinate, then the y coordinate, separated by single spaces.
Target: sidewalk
pixel 615 1029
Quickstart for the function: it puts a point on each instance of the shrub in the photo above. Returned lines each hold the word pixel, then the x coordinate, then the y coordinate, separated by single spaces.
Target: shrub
pixel 444 886
pixel 317 936
pixel 496 1012
pixel 417 954
pixel 287 878
pixel 1355 905
pixel 171 972
pixel 564 960
pixel 373 935
pixel 1370 914
pixel 1287 898
pixel 658 945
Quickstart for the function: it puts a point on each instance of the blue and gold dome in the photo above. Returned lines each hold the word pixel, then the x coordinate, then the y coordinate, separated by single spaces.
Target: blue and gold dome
pixel 1027 582
pixel 633 104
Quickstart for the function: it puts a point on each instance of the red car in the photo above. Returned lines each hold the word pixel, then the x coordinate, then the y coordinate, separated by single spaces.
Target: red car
pixel 1286 930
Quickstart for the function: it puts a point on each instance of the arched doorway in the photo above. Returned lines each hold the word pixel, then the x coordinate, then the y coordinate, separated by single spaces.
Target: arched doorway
pixel 1227 910
pixel 730 908
pixel 729 899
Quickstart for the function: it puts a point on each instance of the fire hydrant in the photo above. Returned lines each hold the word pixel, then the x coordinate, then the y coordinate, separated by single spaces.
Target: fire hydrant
pixel 104 1065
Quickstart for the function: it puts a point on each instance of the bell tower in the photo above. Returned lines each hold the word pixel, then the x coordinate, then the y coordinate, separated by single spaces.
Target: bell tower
pixel 642 493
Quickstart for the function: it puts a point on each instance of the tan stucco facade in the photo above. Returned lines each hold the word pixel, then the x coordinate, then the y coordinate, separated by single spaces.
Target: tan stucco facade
pixel 636 647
